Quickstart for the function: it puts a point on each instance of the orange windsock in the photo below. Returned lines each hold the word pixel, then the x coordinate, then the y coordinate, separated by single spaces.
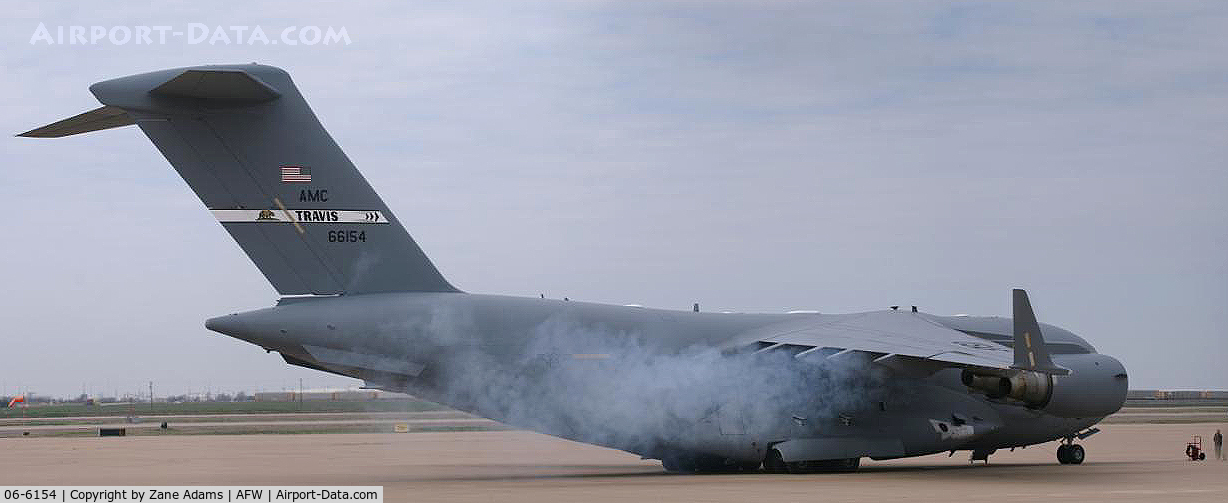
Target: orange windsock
pixel 17 399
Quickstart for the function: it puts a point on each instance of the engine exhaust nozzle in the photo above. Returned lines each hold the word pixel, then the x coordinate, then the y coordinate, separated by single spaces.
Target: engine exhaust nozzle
pixel 1031 388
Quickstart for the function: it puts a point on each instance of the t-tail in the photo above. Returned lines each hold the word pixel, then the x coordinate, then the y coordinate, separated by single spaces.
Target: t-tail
pixel 245 141
pixel 1030 350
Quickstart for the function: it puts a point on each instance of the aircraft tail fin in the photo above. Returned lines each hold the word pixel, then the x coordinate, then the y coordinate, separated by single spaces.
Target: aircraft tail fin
pixel 1030 351
pixel 247 143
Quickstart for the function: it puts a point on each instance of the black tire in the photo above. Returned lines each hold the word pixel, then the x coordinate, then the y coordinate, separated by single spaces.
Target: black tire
pixel 701 463
pixel 1075 454
pixel 847 465
pixel 714 464
pixel 1063 454
pixel 798 467
pixel 1202 456
pixel 678 463
pixel 774 463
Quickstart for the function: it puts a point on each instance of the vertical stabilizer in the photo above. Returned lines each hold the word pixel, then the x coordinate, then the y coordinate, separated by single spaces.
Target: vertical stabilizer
pixel 249 146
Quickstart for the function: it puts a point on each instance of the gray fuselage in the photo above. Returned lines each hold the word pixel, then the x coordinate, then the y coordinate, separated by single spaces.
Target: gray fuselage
pixel 645 380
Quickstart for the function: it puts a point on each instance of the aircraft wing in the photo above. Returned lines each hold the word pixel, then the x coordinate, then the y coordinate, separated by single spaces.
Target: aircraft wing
pixel 905 341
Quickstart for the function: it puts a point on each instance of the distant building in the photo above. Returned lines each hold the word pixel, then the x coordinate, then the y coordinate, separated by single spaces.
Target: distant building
pixel 1156 394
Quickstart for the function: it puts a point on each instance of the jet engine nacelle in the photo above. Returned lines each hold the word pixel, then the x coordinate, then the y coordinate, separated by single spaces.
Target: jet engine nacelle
pixel 1095 387
pixel 1032 388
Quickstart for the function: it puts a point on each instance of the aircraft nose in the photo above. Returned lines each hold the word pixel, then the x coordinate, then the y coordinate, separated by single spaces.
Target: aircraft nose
pixel 1120 377
pixel 1121 371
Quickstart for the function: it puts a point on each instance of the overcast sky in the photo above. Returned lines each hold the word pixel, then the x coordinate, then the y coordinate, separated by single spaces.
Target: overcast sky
pixel 747 156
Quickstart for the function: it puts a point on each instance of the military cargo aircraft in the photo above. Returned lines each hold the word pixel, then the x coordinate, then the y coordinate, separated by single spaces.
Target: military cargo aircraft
pixel 700 391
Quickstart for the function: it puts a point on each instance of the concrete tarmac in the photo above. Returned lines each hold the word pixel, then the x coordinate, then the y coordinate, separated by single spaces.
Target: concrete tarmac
pixel 1125 462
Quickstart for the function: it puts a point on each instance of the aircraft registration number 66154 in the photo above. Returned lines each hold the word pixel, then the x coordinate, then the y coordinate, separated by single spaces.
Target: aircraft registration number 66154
pixel 347 236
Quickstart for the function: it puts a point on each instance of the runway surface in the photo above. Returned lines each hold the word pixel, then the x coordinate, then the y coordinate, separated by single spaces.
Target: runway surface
pixel 1126 462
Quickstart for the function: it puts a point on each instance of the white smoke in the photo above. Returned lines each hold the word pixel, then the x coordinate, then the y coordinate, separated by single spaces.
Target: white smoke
pixel 622 389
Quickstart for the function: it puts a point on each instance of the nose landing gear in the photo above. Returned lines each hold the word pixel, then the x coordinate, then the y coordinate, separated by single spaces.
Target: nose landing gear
pixel 1070 453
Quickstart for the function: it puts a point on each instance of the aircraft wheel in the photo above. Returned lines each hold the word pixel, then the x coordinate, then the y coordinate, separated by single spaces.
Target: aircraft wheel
pixel 796 467
pixel 1063 454
pixel 1075 454
pixel 678 463
pixel 845 465
pixel 824 466
pixel 774 463
pixel 714 464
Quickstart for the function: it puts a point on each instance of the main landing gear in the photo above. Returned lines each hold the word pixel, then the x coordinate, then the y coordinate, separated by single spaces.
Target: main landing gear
pixel 775 464
pixel 680 462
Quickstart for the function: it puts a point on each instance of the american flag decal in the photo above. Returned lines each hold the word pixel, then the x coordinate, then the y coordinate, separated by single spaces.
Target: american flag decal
pixel 293 174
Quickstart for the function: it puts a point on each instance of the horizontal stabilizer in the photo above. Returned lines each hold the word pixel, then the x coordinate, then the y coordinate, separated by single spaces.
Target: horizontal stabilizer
pixel 97 119
pixel 234 85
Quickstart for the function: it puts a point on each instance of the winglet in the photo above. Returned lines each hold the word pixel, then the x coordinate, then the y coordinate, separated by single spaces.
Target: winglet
pixel 1030 351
